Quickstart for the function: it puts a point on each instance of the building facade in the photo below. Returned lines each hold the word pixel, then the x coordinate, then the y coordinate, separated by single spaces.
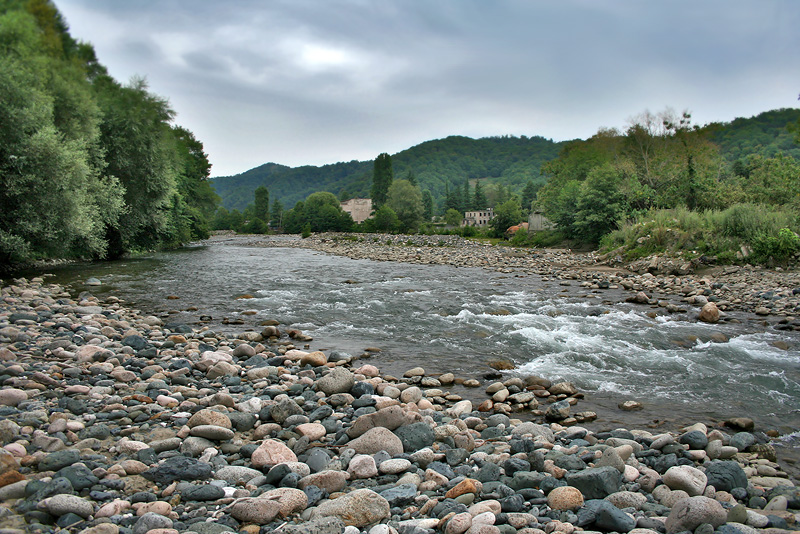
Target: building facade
pixel 358 208
pixel 478 218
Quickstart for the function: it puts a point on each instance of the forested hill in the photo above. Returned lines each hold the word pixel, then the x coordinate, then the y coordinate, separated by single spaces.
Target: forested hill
pixel 510 161
pixel 437 165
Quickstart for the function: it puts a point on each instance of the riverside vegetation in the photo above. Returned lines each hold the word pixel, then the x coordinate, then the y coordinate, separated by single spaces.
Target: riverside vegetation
pixel 115 422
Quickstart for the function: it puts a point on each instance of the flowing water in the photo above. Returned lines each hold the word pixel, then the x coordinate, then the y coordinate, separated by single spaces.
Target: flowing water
pixel 458 320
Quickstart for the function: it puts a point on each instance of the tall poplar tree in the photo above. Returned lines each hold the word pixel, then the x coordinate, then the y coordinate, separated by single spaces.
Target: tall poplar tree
pixel 382 177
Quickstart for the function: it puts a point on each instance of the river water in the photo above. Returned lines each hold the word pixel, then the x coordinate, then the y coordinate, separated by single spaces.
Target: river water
pixel 458 320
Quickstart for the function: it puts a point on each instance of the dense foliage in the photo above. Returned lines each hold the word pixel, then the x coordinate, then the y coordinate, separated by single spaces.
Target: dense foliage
pixel 663 162
pixel 88 167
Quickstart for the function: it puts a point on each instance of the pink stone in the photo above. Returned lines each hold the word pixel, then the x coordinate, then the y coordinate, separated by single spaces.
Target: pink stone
pixel 271 452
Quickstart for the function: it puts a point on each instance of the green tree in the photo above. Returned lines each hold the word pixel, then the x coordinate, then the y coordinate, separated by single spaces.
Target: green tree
pixel 453 217
pixel 276 213
pixel 198 198
pixel 479 201
pixel 427 206
pixel 528 196
pixel 386 220
pixel 405 200
pixel 382 177
pixel 505 215
pixel 54 201
pixel 600 204
pixel 261 204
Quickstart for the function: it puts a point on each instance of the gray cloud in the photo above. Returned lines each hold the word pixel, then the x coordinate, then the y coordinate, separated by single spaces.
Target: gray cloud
pixel 312 82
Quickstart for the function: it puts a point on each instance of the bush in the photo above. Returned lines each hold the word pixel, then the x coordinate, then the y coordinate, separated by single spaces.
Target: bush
pixel 780 247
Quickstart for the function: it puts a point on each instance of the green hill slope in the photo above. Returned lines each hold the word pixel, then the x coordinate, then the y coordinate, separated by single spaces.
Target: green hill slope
pixel 439 164
pixel 507 160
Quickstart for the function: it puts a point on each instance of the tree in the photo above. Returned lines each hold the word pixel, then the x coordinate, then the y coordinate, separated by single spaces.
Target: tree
pixel 427 206
pixel 453 217
pixel 466 199
pixel 276 214
pixel 406 201
pixel 505 215
pixel 386 220
pixel 261 204
pixel 528 196
pixel 600 204
pixel 412 178
pixel 382 177
pixel 479 201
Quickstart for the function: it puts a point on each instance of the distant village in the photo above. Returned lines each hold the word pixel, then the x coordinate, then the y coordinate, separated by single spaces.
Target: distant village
pixel 360 209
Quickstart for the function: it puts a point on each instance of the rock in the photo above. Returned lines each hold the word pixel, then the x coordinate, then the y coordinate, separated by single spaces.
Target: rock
pixel 59 505
pixel 339 380
pixel 291 500
pixel 209 417
pixel 149 522
pixel 178 468
pixel 468 485
pixel 255 510
pixel 314 359
pixel 596 482
pixel 563 388
pixel 742 440
pixel 688 514
pixel 358 508
pixel 686 478
pixel 415 436
pixel 237 474
pixel 390 417
pixel 216 433
pixel 375 440
pixel 205 492
pixel 565 498
pixel 630 406
pixel 362 466
pixel 558 411
pixel 271 452
pixel 725 475
pixel 611 458
pixel 317 526
pixel 459 523
pixel 709 313
pixel 12 396
pixel 605 516
pixel 400 495
pixel 328 480
pixel 696 440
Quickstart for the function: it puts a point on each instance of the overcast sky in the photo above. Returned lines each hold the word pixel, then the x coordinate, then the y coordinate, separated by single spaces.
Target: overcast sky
pixel 303 82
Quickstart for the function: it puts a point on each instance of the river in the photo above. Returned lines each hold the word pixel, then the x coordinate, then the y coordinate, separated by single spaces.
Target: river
pixel 448 319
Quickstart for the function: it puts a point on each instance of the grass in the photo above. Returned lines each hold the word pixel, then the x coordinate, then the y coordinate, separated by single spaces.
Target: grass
pixel 743 232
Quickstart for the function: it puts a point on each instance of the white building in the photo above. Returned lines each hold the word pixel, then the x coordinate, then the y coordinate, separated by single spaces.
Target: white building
pixel 478 218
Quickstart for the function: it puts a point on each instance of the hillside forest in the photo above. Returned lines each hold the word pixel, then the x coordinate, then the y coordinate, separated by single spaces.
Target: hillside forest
pixel 94 168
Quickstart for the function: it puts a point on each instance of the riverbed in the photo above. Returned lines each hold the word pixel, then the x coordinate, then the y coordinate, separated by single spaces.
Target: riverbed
pixel 460 320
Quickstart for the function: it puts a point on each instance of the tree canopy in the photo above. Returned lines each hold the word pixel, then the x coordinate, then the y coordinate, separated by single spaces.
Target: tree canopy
pixel 89 167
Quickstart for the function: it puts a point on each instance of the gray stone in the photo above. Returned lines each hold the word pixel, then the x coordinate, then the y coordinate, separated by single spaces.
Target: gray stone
pixel 358 508
pixel 688 514
pixel 400 495
pixel 318 526
pixel 605 516
pixel 206 492
pixel 150 521
pixel 611 458
pixel 283 409
pixel 725 475
pixel 558 411
pixel 415 436
pixel 236 474
pixel 339 380
pixel 178 468
pixel 742 440
pixel 596 482
pixel 59 459
pixel 696 440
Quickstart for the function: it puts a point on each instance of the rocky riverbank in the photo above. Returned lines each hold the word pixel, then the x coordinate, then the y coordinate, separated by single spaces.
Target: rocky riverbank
pixel 772 294
pixel 113 421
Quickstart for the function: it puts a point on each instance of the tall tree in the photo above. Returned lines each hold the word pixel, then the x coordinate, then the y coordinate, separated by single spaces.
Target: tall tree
pixel 427 206
pixel 382 177
pixel 406 201
pixel 276 213
pixel 466 199
pixel 261 204
pixel 479 201
pixel 528 196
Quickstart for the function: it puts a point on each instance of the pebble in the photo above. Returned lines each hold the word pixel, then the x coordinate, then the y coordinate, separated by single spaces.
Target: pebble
pixel 129 428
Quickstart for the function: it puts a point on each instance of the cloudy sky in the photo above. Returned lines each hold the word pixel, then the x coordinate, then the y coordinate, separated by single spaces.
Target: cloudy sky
pixel 319 81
